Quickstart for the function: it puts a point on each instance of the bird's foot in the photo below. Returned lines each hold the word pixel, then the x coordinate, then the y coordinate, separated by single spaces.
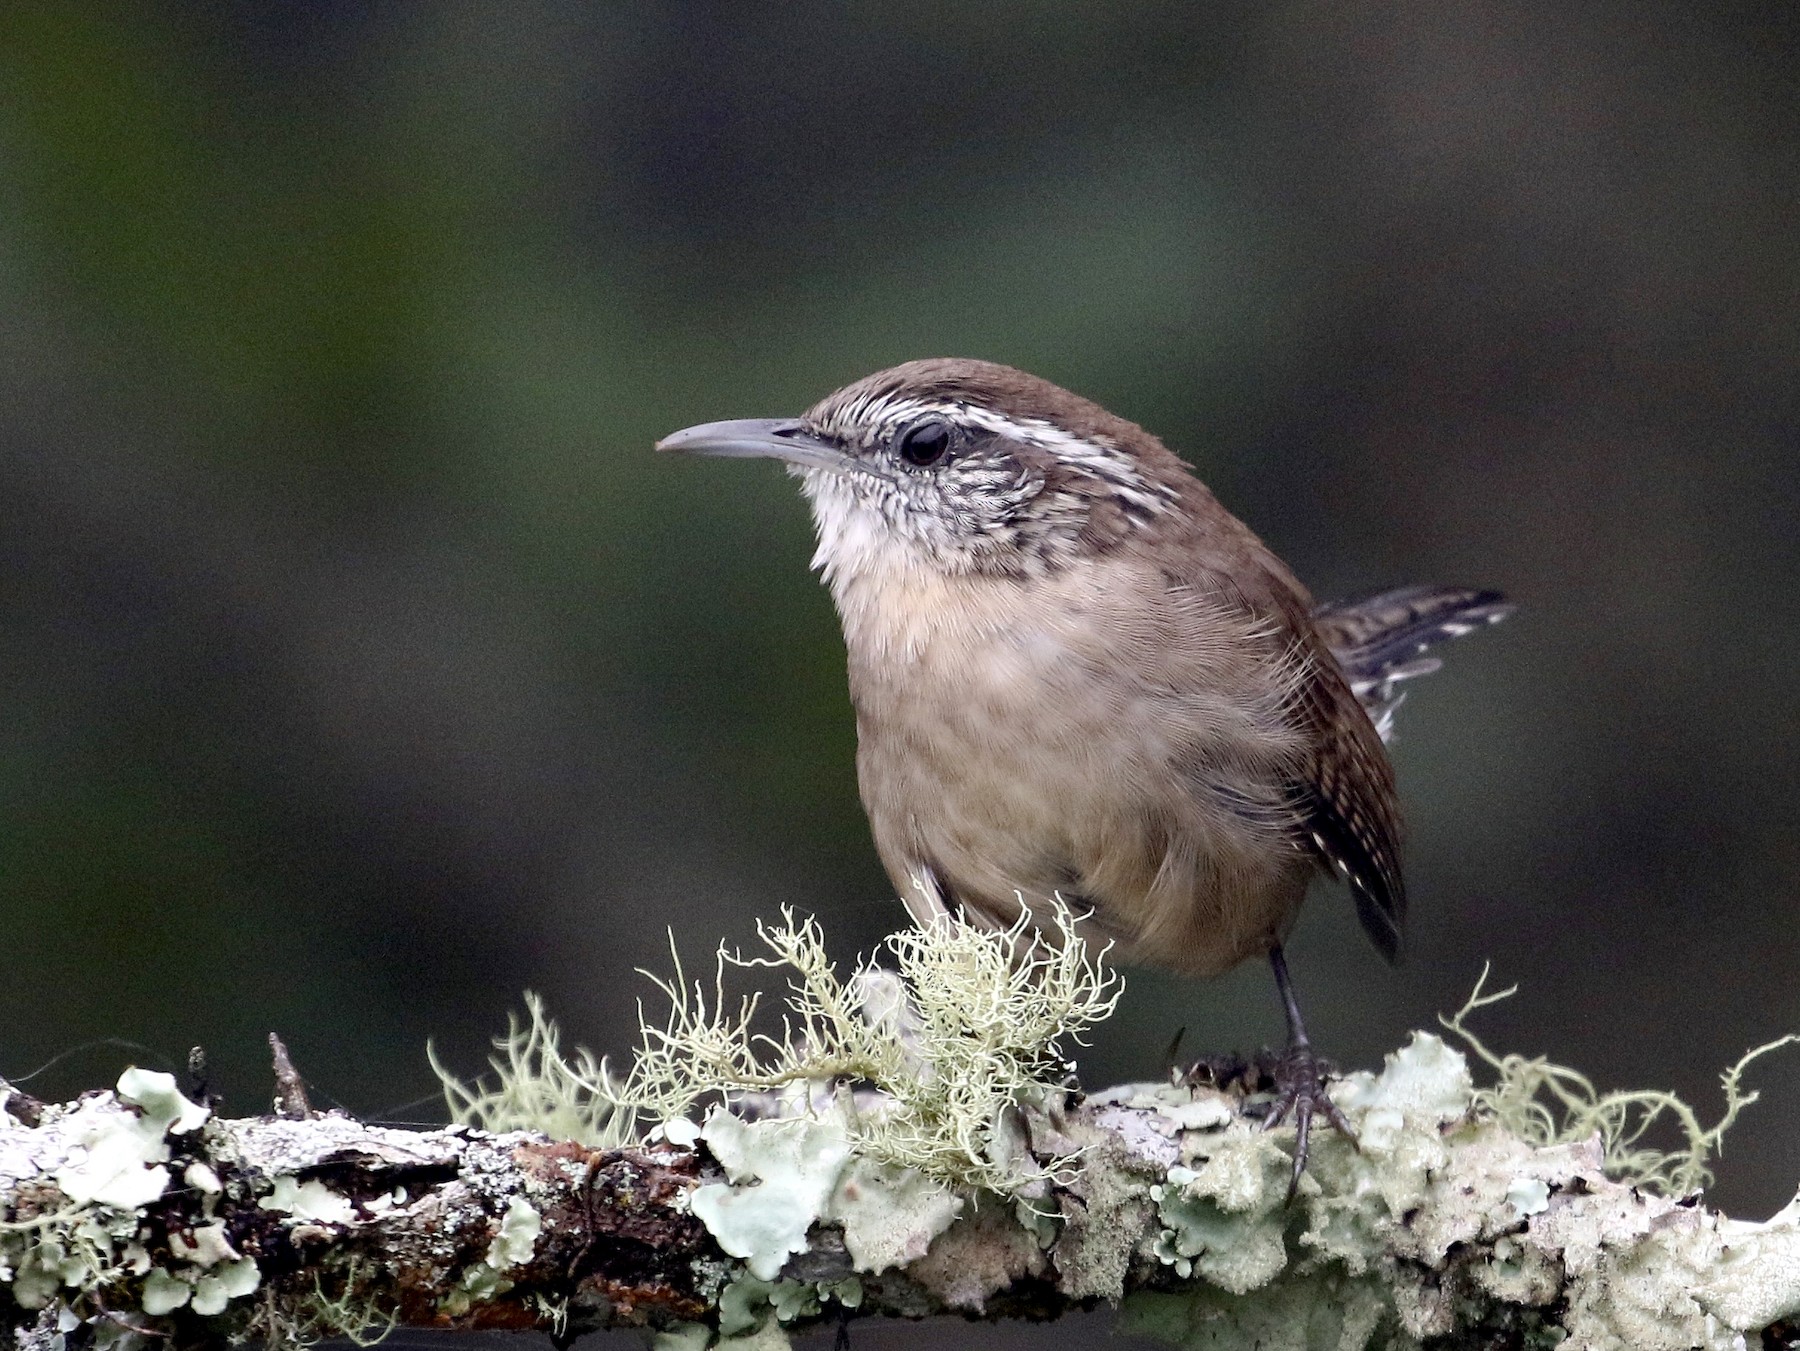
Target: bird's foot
pixel 1300 1078
pixel 1291 1082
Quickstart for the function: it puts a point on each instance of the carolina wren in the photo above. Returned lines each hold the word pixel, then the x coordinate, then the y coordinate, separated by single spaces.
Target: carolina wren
pixel 1074 672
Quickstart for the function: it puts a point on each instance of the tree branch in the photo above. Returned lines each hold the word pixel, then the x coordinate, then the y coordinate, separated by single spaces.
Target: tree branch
pixel 134 1216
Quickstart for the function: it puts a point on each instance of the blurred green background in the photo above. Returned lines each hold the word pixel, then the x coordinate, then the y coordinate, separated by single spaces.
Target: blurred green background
pixel 360 667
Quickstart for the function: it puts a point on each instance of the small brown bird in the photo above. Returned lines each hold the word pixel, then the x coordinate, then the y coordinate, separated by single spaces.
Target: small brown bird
pixel 1075 673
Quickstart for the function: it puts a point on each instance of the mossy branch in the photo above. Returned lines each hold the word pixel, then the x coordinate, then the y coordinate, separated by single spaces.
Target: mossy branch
pixel 959 1174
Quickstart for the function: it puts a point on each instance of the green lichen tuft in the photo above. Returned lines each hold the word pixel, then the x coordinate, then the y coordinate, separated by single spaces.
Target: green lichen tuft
pixel 353 1314
pixel 977 1025
pixel 1549 1104
pixel 537 1088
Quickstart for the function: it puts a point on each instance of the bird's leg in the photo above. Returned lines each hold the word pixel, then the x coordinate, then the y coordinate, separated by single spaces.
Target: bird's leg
pixel 1300 1078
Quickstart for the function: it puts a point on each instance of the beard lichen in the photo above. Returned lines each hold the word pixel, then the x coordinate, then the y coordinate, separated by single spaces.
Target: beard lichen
pixel 1549 1104
pixel 298 1323
pixel 970 1025
pixel 536 1087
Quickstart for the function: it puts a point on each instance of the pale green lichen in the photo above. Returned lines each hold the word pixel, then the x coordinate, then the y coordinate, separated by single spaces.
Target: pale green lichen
pixel 746 1303
pixel 786 1175
pixel 212 1274
pixel 513 1245
pixel 1528 1196
pixel 978 1026
pixel 1223 1226
pixel 987 1017
pixel 76 1259
pixel 751 1304
pixel 780 1176
pixel 517 1240
pixel 1546 1103
pixel 164 1292
pixel 43 1266
pixel 310 1202
pixel 1450 1217
pixel 1318 1273
pixel 120 1157
pixel 1225 1213
pixel 208 1291
pixel 889 1214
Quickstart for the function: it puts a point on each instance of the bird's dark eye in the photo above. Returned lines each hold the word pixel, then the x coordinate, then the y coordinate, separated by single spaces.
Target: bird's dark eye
pixel 923 443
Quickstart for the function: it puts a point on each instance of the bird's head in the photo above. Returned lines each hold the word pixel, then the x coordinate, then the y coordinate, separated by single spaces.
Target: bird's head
pixel 960 466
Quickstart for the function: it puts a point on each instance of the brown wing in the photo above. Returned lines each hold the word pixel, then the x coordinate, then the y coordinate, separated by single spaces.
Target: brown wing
pixel 1348 804
pixel 1349 815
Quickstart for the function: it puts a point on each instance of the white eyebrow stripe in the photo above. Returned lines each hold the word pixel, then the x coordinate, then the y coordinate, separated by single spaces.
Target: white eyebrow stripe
pixel 1099 457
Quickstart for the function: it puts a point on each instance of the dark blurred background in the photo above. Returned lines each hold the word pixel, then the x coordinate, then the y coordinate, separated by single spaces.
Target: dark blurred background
pixel 361 667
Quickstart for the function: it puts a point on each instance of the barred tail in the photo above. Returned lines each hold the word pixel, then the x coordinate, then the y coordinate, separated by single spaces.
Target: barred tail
pixel 1380 640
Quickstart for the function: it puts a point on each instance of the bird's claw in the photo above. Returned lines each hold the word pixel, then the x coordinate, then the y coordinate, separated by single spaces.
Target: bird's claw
pixel 1300 1078
pixel 1296 1078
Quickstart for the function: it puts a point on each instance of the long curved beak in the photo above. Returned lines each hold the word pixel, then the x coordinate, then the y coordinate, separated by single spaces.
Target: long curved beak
pixel 757 438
